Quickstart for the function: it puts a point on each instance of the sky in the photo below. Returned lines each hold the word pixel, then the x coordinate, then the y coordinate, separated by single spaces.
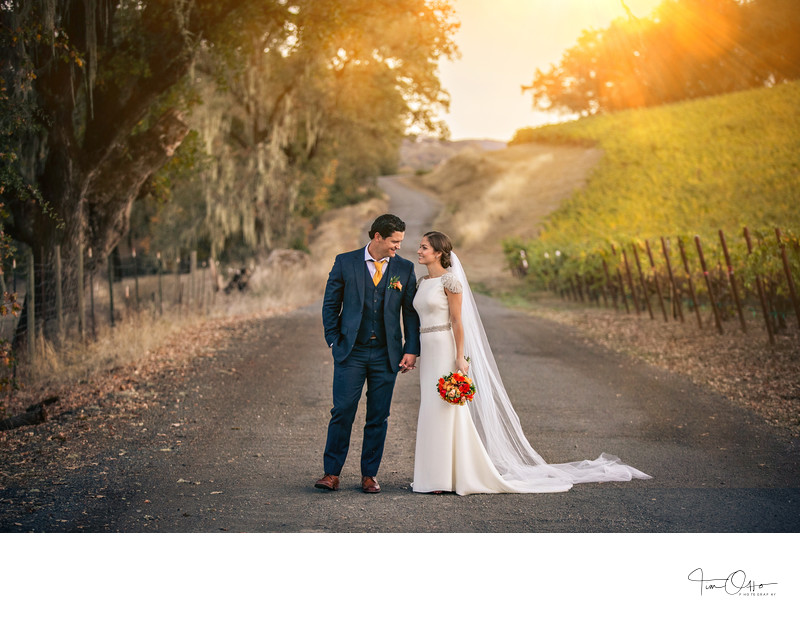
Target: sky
pixel 502 43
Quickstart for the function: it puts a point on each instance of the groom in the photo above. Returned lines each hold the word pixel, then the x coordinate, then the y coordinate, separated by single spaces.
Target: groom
pixel 366 293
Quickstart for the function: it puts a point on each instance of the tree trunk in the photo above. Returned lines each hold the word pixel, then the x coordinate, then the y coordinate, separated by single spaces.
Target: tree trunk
pixel 115 184
pixel 94 207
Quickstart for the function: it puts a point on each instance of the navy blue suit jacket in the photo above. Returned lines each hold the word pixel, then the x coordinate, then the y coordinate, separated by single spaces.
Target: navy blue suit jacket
pixel 343 305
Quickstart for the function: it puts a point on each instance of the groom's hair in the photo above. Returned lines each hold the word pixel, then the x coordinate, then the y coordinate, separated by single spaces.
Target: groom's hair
pixel 387 225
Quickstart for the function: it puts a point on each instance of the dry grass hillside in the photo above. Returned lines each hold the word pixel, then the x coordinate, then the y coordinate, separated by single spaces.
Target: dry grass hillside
pixel 491 195
pixel 423 154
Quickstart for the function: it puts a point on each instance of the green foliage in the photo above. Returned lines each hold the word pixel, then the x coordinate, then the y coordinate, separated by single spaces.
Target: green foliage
pixel 305 117
pixel 686 49
pixel 695 168
pixel 188 161
pixel 20 115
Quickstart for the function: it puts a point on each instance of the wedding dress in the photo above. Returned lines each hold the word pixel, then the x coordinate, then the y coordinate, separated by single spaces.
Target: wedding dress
pixel 480 447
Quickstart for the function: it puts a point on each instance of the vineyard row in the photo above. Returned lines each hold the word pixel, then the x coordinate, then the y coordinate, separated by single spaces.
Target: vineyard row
pixel 675 277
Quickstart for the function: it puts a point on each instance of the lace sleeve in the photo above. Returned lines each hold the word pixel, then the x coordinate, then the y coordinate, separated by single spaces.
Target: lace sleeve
pixel 451 283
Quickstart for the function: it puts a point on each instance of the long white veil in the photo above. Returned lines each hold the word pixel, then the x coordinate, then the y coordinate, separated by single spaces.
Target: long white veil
pixel 499 427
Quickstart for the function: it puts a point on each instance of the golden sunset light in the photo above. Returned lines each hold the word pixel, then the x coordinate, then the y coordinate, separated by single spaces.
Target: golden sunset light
pixel 502 43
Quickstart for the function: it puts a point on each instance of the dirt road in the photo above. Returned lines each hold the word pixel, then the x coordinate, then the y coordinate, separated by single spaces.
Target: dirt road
pixel 237 445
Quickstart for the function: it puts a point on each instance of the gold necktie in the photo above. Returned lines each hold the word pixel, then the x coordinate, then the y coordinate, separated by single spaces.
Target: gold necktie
pixel 378 274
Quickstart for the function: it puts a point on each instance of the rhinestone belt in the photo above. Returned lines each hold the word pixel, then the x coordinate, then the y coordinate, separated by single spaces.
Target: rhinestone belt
pixel 438 327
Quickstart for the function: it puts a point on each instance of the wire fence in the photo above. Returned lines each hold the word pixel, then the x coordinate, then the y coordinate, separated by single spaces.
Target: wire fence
pixel 82 297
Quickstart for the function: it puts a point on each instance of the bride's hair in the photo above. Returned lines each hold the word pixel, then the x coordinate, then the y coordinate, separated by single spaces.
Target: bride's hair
pixel 440 242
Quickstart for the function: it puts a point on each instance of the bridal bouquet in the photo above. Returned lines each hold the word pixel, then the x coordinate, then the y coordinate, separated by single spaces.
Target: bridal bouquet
pixel 456 388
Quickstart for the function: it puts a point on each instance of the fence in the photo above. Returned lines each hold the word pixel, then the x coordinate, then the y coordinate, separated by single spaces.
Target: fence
pixel 712 281
pixel 83 297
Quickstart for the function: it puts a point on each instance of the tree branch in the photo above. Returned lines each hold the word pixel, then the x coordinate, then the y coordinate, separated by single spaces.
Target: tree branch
pixel 116 183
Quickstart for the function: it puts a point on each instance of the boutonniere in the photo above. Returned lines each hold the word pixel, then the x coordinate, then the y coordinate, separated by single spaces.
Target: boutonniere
pixel 394 283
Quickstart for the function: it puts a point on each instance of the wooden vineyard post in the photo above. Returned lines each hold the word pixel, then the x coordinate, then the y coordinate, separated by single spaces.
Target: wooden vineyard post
pixel 676 295
pixel 548 282
pixel 760 288
pixel 655 279
pixel 558 283
pixel 603 294
pixel 691 283
pixel 630 282
pixel 621 284
pixel 641 279
pixel 711 298
pixel 788 271
pixel 609 285
pixel 579 279
pixel 732 280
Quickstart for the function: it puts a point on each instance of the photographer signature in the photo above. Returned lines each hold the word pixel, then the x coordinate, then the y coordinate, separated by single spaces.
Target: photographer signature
pixel 733 584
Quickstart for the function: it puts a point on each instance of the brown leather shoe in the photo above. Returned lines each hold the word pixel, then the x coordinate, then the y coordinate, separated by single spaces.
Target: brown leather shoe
pixel 370 485
pixel 328 482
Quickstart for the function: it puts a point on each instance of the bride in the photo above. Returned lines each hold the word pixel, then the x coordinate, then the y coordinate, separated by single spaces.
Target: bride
pixel 478 447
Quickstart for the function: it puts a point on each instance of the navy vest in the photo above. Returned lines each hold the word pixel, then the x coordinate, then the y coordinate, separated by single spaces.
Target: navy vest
pixel 372 323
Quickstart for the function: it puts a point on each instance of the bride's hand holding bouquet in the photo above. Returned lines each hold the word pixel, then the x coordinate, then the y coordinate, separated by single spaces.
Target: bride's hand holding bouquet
pixel 456 388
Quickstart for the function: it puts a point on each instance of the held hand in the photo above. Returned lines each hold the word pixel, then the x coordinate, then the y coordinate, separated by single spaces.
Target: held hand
pixel 462 365
pixel 408 362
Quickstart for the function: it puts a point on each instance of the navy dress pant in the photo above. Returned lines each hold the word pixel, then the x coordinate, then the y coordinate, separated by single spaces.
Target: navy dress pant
pixel 366 363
